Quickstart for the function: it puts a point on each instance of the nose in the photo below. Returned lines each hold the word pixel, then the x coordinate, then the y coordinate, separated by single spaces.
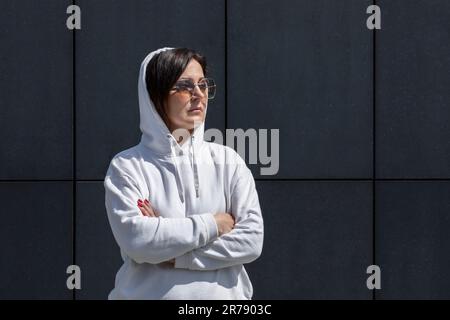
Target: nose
pixel 197 92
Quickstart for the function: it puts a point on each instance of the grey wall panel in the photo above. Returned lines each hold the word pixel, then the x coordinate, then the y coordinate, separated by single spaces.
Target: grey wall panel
pixel 96 251
pixel 304 67
pixel 36 239
pixel 413 96
pixel 35 90
pixel 318 240
pixel 412 242
pixel 115 38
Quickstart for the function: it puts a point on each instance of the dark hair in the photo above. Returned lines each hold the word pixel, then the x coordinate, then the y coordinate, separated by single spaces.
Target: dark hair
pixel 164 69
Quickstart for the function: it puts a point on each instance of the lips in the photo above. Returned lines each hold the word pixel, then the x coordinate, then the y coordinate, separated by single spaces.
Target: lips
pixel 195 108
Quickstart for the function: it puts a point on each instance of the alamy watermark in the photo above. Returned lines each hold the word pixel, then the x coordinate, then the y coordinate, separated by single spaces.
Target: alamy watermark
pixel 263 146
pixel 74 280
pixel 374 280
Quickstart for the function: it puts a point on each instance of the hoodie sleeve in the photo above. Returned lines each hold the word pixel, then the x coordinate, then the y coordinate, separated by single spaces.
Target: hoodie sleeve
pixel 150 239
pixel 244 243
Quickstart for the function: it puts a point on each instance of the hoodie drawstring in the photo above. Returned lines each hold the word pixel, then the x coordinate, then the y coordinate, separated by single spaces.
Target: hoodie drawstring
pixel 177 170
pixel 196 183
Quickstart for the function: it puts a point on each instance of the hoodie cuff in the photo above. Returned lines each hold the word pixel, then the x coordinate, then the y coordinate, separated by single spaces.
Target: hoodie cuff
pixel 211 226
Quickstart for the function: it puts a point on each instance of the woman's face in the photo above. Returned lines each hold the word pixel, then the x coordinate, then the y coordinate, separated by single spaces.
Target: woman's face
pixel 181 109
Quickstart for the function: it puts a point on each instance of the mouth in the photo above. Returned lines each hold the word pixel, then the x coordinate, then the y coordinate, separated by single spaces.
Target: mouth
pixel 195 109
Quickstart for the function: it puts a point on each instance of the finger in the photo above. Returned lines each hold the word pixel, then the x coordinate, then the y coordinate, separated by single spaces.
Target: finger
pixel 155 212
pixel 144 211
pixel 148 209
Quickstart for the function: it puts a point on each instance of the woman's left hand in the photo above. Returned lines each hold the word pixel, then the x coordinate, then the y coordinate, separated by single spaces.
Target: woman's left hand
pixel 147 209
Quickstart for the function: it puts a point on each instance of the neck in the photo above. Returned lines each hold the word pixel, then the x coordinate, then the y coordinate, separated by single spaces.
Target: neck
pixel 181 138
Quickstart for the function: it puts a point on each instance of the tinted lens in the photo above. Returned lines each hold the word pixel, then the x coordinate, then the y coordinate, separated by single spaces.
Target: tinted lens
pixel 211 88
pixel 206 86
pixel 185 86
pixel 203 85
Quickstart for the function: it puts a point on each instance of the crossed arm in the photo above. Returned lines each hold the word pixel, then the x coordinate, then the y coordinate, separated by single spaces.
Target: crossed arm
pixel 225 221
pixel 189 243
pixel 241 245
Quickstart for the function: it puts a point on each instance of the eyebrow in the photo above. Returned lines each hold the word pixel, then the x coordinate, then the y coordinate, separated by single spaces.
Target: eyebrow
pixel 188 78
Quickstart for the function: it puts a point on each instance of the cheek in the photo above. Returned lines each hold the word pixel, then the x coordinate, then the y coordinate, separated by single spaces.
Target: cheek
pixel 176 108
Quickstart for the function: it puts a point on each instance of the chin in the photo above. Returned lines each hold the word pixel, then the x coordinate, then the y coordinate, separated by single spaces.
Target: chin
pixel 195 118
pixel 189 122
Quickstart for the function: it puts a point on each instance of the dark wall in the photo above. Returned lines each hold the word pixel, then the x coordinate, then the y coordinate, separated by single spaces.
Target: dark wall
pixel 364 173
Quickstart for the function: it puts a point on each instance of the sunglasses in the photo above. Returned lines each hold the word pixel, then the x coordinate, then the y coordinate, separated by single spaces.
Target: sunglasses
pixel 206 86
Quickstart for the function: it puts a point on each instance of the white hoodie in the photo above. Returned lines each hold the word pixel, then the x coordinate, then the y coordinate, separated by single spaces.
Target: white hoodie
pixel 186 185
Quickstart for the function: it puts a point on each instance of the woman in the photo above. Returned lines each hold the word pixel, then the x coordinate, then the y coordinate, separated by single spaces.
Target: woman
pixel 184 212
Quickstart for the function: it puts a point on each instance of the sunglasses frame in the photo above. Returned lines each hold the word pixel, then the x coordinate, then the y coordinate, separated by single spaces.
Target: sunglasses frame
pixel 210 84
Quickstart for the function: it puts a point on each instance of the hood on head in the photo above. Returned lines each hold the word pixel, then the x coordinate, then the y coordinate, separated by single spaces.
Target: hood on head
pixel 155 133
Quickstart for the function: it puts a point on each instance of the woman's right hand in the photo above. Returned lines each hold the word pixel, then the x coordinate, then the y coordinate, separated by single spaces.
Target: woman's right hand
pixel 225 222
